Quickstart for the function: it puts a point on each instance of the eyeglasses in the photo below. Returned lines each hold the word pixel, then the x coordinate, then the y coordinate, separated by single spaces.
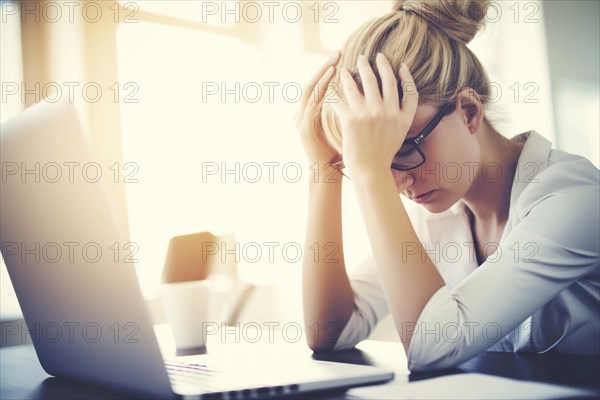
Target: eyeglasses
pixel 410 155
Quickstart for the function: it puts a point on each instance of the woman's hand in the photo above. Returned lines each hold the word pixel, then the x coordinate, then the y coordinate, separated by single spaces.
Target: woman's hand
pixel 311 132
pixel 373 128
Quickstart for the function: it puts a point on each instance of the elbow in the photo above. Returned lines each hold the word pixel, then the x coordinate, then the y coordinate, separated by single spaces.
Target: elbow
pixel 438 339
pixel 326 343
pixel 318 347
pixel 425 357
pixel 325 336
pixel 321 347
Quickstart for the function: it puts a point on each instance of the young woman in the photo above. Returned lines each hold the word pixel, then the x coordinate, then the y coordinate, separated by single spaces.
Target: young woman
pixel 502 251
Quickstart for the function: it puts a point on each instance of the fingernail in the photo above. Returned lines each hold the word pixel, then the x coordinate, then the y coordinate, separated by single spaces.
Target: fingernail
pixel 404 67
pixel 380 56
pixel 362 58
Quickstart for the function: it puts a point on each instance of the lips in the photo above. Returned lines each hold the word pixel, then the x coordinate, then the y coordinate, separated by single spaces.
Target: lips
pixel 422 197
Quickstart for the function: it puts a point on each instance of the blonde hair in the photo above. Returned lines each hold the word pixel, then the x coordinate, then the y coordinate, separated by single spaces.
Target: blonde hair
pixel 431 38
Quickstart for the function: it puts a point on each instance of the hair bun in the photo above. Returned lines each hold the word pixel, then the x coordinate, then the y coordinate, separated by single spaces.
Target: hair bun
pixel 459 19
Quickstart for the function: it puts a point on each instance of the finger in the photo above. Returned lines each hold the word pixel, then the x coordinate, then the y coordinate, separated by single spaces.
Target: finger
pixel 410 96
pixel 369 81
pixel 340 107
pixel 352 93
pixel 389 83
pixel 308 90
pixel 321 88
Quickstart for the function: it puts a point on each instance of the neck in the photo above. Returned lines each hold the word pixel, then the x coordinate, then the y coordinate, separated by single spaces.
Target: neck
pixel 488 197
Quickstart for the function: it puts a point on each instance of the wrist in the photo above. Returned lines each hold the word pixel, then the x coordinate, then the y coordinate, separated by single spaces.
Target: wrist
pixel 323 172
pixel 371 175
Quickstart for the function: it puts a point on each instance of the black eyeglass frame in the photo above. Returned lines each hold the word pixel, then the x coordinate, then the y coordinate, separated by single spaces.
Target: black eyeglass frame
pixel 414 141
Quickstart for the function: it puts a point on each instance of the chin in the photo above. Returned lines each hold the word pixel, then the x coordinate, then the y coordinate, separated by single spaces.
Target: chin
pixel 434 208
pixel 439 206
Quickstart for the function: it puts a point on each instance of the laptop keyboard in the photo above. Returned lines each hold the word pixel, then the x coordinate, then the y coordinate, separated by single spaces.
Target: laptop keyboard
pixel 198 375
pixel 213 384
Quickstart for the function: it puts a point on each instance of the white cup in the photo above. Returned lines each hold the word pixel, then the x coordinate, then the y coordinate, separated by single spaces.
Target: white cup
pixel 186 307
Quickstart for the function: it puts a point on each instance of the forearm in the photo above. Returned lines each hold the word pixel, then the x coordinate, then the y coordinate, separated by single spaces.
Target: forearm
pixel 409 280
pixel 327 294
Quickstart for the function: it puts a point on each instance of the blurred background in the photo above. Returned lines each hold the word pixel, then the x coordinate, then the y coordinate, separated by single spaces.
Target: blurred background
pixel 191 103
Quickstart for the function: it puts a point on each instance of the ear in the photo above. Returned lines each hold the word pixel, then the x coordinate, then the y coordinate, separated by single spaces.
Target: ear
pixel 470 106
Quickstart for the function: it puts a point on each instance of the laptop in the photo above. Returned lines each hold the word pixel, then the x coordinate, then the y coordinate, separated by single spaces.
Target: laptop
pixel 65 251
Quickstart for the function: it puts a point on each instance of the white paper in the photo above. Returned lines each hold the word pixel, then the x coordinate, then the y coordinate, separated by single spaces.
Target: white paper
pixel 466 386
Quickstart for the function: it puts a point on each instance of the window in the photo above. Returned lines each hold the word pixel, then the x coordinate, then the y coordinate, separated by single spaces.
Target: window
pixel 209 130
pixel 11 72
pixel 207 92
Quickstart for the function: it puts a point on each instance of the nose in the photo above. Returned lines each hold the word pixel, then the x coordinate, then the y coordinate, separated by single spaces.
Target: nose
pixel 403 179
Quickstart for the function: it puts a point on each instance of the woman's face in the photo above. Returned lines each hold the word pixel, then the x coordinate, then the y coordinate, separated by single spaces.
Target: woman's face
pixel 452 158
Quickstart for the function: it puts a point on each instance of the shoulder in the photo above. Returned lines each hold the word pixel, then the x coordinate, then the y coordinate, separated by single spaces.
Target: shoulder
pixel 561 204
pixel 543 173
pixel 567 176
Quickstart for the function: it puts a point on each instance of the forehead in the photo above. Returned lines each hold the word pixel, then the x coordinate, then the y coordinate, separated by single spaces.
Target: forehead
pixel 423 115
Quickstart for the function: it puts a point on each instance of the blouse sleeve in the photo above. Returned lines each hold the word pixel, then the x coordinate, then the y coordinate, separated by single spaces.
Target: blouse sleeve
pixel 370 306
pixel 555 244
